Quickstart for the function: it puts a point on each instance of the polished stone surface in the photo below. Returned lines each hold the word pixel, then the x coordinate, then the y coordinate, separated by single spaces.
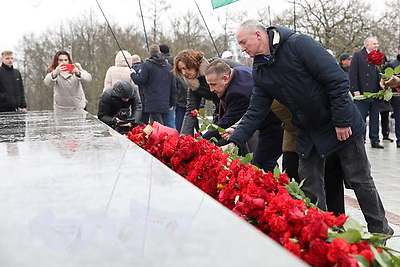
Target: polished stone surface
pixel 75 193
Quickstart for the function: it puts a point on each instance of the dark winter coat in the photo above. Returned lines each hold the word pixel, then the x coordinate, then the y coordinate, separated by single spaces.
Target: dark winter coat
pixel 237 99
pixel 111 105
pixel 199 89
pixel 364 76
pixel 12 95
pixel 158 83
pixel 304 77
pixel 181 89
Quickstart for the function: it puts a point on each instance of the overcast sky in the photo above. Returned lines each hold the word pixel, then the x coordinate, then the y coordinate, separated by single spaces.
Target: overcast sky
pixel 23 16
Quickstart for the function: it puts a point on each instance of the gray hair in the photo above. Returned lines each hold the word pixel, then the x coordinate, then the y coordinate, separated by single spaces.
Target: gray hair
pixel 369 39
pixel 135 58
pixel 218 67
pixel 253 24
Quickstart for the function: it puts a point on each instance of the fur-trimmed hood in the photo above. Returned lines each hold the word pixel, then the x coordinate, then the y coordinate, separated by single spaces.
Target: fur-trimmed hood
pixel 194 83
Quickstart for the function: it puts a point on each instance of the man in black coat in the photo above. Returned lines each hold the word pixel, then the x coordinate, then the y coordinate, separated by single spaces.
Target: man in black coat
pixel 395 101
pixel 158 83
pixel 234 87
pixel 120 107
pixel 12 95
pixel 298 72
pixel 364 77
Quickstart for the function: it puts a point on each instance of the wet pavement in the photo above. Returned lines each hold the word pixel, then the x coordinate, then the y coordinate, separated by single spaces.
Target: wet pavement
pixel 76 193
pixel 385 167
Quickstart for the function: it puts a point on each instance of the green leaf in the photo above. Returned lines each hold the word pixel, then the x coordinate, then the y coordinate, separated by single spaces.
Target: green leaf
pixel 201 113
pixel 213 139
pixel 352 224
pixel 359 97
pixel 388 72
pixel 351 236
pixel 294 190
pixel 377 257
pixel 247 159
pixel 397 70
pixel 203 128
pixel 277 172
pixel 388 95
pixel 362 261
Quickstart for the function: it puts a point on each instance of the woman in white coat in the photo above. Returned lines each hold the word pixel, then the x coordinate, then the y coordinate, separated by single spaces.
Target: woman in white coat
pixel 121 71
pixel 67 78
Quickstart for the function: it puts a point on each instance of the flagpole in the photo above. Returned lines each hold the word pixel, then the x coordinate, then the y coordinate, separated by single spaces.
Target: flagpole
pixel 144 27
pixel 112 32
pixel 294 16
pixel 209 33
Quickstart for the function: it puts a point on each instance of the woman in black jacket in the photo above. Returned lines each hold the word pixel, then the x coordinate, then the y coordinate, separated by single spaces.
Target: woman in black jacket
pixel 191 65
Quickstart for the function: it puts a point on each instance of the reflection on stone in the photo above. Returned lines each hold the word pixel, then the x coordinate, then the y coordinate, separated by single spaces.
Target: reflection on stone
pixel 75 193
pixel 12 127
pixel 144 229
pixel 64 236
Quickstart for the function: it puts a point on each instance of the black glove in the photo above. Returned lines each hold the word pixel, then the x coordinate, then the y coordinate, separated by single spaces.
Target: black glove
pixel 114 121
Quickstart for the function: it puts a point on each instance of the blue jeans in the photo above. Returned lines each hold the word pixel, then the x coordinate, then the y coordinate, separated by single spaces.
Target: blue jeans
pixel 370 107
pixel 357 172
pixel 396 111
pixel 179 115
pixel 169 118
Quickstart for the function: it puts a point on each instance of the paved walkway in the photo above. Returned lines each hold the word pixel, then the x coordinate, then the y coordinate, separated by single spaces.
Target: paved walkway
pixel 385 166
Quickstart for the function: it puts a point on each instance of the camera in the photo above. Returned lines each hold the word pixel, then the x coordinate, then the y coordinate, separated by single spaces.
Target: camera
pixel 123 115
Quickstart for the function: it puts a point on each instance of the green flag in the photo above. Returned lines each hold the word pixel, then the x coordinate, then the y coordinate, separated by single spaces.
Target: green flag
pixel 219 3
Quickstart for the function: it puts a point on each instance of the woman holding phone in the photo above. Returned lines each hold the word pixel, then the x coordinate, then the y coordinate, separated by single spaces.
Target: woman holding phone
pixel 67 78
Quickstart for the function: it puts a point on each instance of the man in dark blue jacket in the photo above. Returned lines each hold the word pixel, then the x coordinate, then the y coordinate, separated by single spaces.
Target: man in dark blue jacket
pixel 364 77
pixel 234 87
pixel 158 84
pixel 12 95
pixel 298 72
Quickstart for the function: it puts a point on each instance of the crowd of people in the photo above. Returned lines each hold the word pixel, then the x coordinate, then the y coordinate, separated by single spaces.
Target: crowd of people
pixel 296 102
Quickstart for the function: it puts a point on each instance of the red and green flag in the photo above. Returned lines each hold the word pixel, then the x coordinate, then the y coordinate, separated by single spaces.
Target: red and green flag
pixel 219 3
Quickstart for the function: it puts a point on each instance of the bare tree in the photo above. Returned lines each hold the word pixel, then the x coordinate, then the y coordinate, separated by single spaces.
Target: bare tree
pixel 338 25
pixel 156 9
pixel 90 43
pixel 189 33
pixel 388 30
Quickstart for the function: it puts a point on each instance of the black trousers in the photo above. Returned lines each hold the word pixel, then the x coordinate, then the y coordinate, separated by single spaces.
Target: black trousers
pixel 333 179
pixel 385 123
pixel 357 171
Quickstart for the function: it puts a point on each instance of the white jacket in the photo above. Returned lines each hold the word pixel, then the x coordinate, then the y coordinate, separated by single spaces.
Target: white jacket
pixel 120 72
pixel 68 90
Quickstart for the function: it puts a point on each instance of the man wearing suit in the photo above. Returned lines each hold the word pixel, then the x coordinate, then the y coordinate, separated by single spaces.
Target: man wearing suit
pixel 364 77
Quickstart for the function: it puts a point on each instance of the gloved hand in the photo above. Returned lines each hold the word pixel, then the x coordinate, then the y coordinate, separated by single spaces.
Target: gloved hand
pixel 114 121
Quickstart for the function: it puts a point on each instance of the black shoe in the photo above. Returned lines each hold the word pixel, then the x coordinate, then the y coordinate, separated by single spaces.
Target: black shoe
pixel 376 145
pixel 388 232
pixel 387 140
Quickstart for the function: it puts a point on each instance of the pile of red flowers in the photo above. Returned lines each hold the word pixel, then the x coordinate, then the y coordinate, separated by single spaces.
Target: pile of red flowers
pixel 268 201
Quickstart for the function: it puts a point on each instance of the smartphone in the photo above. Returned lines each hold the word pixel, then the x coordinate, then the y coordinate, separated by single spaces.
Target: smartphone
pixel 69 68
